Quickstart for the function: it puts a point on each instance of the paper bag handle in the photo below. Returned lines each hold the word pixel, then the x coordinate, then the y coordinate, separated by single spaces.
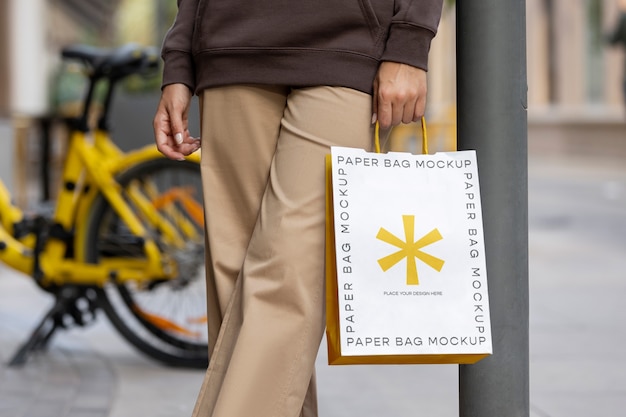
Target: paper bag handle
pixel 424 137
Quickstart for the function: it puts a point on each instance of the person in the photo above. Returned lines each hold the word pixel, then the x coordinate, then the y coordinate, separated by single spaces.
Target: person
pixel 618 37
pixel 279 82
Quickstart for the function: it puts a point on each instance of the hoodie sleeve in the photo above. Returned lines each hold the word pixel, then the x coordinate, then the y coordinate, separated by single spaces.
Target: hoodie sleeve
pixel 413 27
pixel 176 52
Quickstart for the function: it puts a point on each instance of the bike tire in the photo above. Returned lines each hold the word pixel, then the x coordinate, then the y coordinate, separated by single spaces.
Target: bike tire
pixel 151 315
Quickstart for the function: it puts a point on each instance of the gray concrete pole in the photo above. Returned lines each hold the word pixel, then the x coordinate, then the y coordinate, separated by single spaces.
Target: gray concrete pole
pixel 492 90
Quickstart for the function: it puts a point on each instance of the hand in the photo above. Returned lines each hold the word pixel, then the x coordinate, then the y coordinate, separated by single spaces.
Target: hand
pixel 170 124
pixel 399 94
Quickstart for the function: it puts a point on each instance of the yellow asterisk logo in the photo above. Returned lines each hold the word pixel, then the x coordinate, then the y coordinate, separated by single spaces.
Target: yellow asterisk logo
pixel 410 249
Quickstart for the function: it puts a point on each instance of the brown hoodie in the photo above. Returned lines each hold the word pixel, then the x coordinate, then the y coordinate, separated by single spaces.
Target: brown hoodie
pixel 295 42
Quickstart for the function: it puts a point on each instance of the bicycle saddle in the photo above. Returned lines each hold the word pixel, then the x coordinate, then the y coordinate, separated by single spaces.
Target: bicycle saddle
pixel 113 63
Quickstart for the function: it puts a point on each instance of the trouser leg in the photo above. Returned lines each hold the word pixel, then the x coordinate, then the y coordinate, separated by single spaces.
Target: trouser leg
pixel 309 405
pixel 273 343
pixel 237 150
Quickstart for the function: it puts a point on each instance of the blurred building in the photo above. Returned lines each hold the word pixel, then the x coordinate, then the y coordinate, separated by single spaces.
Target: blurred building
pixel 32 33
pixel 575 77
pixel 571 67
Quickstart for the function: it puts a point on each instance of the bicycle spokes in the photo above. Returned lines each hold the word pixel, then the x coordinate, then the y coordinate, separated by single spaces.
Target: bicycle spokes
pixel 183 195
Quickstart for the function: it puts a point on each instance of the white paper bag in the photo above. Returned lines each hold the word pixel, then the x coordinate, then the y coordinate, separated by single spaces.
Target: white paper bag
pixel 406 276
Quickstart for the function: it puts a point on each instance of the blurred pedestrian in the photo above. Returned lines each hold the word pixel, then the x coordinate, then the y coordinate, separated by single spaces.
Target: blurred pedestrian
pixel 279 83
pixel 618 38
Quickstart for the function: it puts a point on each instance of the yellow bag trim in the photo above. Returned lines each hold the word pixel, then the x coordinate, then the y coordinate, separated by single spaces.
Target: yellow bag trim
pixel 424 137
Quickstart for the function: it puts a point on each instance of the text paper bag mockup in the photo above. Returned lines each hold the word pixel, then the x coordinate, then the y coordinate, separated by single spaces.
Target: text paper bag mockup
pixel 406 277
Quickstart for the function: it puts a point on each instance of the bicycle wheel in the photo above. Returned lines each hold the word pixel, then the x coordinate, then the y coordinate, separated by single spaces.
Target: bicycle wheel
pixel 163 318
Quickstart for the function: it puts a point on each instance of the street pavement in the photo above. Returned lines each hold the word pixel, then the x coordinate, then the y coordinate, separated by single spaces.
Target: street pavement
pixel 577 222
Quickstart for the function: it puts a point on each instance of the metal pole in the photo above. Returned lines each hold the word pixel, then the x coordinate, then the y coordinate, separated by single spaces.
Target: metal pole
pixel 491 77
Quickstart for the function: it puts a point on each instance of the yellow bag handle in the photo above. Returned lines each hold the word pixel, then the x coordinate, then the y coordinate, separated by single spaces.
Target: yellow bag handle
pixel 424 137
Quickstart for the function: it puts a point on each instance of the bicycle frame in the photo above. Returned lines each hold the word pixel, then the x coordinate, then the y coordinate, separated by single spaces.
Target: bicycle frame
pixel 90 169
pixel 13 252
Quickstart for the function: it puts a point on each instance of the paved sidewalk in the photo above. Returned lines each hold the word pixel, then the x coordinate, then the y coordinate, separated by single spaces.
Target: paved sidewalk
pixel 70 379
pixel 88 372
pixel 73 383
pixel 577 225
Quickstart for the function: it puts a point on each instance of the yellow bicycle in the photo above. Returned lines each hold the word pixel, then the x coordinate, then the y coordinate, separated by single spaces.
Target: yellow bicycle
pixel 126 235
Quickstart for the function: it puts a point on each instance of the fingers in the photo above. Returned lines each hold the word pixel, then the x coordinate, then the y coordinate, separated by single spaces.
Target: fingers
pixel 395 108
pixel 167 144
pixel 171 135
pixel 399 94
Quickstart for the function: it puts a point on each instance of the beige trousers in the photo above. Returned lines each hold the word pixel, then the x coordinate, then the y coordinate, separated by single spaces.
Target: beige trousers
pixel 263 150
